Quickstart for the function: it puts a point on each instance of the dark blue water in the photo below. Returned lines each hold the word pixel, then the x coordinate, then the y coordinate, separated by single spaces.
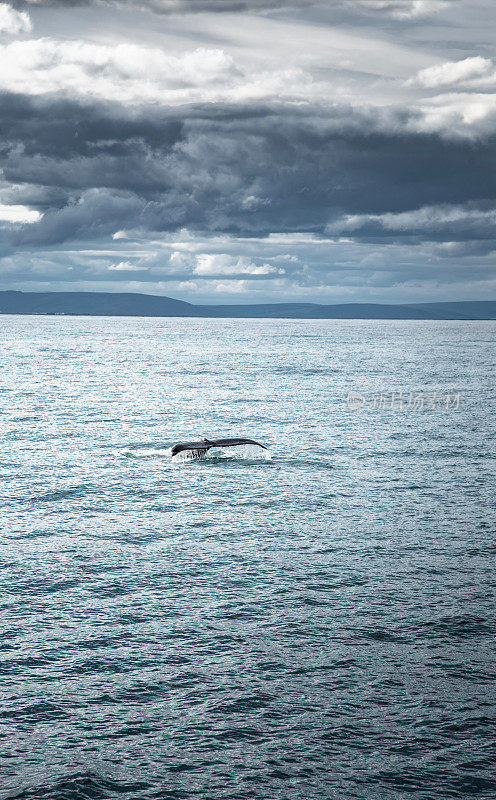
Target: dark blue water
pixel 319 624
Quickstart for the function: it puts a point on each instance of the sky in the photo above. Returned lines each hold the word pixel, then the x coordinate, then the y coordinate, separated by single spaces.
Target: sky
pixel 236 151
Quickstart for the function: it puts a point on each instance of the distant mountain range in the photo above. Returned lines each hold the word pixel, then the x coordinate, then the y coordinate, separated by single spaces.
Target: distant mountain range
pixel 145 305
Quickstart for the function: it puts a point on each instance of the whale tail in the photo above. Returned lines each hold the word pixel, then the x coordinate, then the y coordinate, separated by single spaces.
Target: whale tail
pixel 198 449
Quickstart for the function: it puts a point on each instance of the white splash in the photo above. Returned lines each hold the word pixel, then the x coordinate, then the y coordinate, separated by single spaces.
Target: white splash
pixel 246 452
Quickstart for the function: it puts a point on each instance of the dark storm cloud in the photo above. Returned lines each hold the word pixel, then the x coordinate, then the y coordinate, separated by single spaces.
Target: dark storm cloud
pixel 92 169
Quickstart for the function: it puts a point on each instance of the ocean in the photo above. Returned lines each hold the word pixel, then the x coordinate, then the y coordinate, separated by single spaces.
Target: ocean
pixel 312 623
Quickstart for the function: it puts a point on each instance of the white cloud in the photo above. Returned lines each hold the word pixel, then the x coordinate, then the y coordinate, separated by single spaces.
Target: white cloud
pixel 18 214
pixel 126 266
pixel 13 22
pixel 125 72
pixel 452 73
pixel 223 264
pixel 129 73
pixel 456 114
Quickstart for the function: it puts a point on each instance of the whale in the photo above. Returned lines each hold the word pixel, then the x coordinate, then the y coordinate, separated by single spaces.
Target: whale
pixel 198 449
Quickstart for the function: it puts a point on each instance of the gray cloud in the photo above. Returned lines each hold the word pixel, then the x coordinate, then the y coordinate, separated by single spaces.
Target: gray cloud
pixel 472 223
pixel 249 170
pixel 404 10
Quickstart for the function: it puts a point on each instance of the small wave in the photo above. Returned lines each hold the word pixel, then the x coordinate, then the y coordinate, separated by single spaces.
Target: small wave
pixel 64 494
pixel 81 786
pixel 35 713
pixel 459 626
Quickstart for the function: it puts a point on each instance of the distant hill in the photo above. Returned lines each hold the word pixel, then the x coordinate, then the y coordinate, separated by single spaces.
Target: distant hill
pixel 144 305
pixel 466 309
pixel 96 304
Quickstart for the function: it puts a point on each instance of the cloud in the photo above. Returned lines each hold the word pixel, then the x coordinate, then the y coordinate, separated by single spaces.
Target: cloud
pixel 453 73
pixel 461 99
pixel 250 169
pixel 126 266
pixel 13 22
pixel 439 223
pixel 397 9
pixel 223 264
pixel 135 75
pixel 458 114
pixel 18 214
pixel 91 215
pixel 123 73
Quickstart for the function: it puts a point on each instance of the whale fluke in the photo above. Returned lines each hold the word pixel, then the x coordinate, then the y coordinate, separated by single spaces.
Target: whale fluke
pixel 198 449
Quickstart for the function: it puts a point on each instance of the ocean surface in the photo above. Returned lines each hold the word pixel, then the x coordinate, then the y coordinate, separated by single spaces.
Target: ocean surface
pixel 313 623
